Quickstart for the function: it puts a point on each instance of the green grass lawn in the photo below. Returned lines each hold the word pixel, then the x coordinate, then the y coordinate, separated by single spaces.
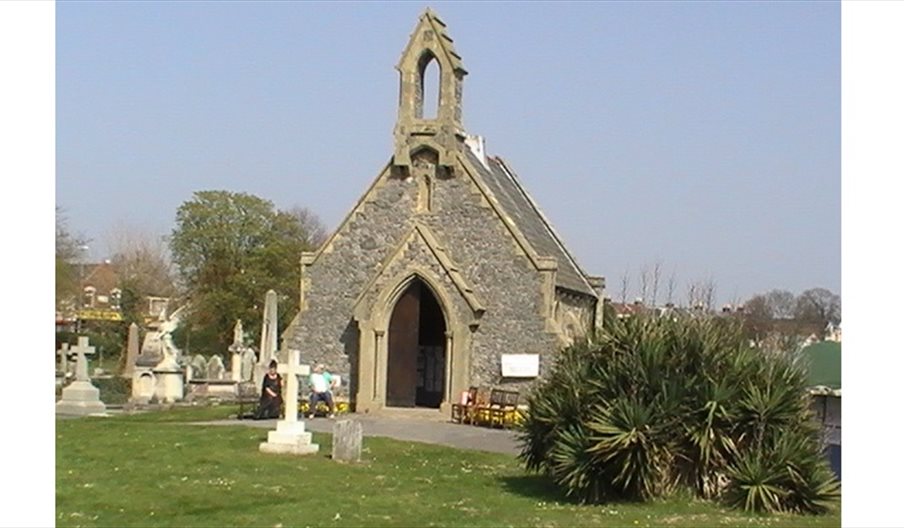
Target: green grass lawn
pixel 154 469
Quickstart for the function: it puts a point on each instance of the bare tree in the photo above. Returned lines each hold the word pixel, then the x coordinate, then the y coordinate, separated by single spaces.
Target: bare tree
pixel 693 295
pixel 670 288
pixel 625 283
pixel 818 305
pixel 702 294
pixel 781 303
pixel 143 260
pixel 311 225
pixel 657 272
pixel 68 252
pixel 644 281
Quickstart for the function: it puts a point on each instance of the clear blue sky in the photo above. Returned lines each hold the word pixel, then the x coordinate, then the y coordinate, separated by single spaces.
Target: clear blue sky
pixel 702 135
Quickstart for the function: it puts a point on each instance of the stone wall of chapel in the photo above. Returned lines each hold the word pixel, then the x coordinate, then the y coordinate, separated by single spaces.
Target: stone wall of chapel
pixel 475 239
pixel 573 315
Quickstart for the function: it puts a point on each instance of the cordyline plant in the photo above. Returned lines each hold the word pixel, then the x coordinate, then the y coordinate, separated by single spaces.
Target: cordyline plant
pixel 654 404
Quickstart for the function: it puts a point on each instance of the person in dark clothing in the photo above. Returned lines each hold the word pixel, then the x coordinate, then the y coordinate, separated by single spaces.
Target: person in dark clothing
pixel 271 395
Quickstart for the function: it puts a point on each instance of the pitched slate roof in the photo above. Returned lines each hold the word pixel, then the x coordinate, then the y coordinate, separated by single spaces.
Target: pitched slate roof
pixel 524 212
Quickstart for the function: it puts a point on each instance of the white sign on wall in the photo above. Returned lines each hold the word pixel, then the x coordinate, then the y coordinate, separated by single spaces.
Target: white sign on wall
pixel 520 365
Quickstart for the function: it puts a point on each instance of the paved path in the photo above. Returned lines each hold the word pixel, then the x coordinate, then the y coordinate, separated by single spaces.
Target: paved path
pixel 413 427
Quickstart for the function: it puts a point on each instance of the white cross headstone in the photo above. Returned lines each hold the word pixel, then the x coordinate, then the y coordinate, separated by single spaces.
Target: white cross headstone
pixel 81 363
pixel 291 371
pixel 63 352
pixel 80 397
pixel 290 436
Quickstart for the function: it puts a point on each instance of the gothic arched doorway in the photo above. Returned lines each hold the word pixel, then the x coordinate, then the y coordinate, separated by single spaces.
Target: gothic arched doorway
pixel 416 366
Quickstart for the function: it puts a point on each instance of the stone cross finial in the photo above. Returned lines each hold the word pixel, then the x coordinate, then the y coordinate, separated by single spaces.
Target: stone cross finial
pixel 81 363
pixel 292 370
pixel 63 353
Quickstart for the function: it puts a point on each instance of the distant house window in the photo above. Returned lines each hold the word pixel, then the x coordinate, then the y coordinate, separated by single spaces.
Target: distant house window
pixel 115 298
pixel 88 297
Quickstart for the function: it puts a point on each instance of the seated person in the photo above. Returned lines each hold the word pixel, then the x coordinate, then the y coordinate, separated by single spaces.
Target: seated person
pixel 271 395
pixel 321 384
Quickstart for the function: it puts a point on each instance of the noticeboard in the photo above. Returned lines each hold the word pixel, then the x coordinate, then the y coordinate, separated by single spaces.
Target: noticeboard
pixel 520 365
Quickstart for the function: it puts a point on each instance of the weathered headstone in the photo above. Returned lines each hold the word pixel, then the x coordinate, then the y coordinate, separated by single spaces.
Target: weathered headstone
pixel 290 436
pixel 81 397
pixel 63 352
pixel 237 346
pixel 215 368
pixel 248 360
pixel 199 367
pixel 347 436
pixel 131 351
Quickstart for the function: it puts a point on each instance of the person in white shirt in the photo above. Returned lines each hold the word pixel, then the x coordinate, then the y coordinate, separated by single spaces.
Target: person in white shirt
pixel 321 386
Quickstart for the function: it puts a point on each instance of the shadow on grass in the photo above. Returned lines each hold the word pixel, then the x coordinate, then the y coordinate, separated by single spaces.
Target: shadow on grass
pixel 536 487
pixel 543 488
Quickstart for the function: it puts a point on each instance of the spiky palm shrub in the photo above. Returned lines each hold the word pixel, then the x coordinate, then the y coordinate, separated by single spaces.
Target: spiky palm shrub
pixel 652 404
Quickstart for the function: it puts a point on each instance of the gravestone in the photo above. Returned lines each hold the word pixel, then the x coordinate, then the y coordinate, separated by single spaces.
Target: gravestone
pixel 81 397
pixel 63 352
pixel 248 360
pixel 347 435
pixel 290 436
pixel 215 368
pixel 268 335
pixel 132 350
pixel 199 367
pixel 237 346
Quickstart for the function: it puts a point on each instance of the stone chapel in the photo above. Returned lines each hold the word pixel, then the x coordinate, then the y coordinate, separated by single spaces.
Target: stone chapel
pixel 443 266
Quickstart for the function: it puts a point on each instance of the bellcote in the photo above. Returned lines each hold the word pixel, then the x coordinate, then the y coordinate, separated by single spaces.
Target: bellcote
pixel 442 133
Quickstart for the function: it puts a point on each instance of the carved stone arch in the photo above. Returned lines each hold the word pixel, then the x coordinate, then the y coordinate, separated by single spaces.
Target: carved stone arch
pixel 374 323
pixel 382 308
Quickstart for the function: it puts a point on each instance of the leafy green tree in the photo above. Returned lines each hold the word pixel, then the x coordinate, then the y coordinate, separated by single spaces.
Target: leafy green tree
pixel 229 249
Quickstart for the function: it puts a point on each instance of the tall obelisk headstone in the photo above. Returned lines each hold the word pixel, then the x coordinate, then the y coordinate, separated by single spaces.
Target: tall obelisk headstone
pixel 132 350
pixel 290 436
pixel 268 336
pixel 81 397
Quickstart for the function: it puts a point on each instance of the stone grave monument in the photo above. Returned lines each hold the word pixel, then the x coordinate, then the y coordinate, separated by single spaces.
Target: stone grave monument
pixel 347 435
pixel 290 436
pixel 215 368
pixel 63 369
pixel 248 360
pixel 237 347
pixel 158 373
pixel 81 397
pixel 132 351
pixel 269 336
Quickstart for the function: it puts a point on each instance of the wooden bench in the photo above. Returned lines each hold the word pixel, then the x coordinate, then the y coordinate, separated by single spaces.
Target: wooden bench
pixel 503 412
pixel 461 412
pixel 490 407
